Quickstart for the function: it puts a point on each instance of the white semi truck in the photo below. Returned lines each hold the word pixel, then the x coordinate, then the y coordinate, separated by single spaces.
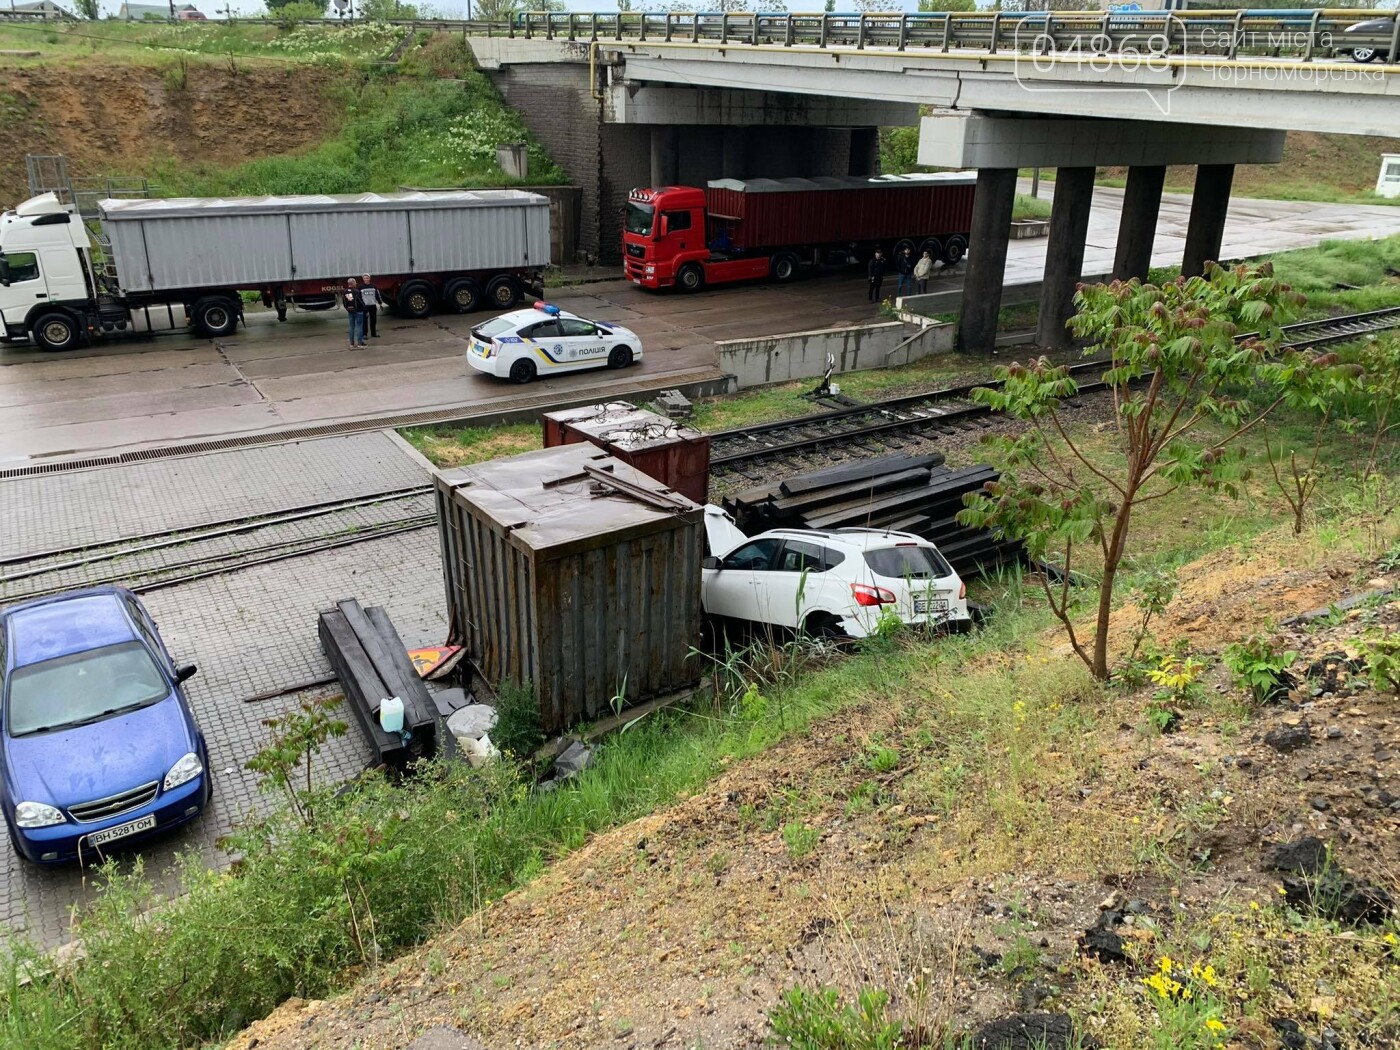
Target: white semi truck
pixel 160 263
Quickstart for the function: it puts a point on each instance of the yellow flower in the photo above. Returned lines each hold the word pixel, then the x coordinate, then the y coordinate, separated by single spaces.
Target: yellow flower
pixel 1215 1025
pixel 1253 905
pixel 1208 975
pixel 1165 964
pixel 1281 891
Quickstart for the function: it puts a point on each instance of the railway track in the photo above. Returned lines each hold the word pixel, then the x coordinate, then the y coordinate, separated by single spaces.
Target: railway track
pixel 164 559
pixel 755 452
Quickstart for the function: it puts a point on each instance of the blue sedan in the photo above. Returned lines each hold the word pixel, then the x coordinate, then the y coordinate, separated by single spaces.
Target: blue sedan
pixel 98 747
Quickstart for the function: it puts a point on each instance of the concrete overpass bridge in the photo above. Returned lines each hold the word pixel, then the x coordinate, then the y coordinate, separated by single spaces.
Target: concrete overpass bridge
pixel 665 98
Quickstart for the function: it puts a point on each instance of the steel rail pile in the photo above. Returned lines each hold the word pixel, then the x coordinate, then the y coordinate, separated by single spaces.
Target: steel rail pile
pixel 902 493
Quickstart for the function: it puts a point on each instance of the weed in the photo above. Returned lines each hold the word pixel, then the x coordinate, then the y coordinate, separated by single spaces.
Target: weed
pixel 1259 667
pixel 800 839
pixel 817 1019
pixel 1188 1008
pixel 1382 656
pixel 517 729
pixel 882 759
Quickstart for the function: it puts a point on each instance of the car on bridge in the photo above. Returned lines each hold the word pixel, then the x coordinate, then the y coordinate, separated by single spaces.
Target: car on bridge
pixel 836 583
pixel 1364 46
pixel 525 344
pixel 98 746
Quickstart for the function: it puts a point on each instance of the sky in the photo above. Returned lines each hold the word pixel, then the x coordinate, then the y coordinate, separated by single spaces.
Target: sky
pixel 443 8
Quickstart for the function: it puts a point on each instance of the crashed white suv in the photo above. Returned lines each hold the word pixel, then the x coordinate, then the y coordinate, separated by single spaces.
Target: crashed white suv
pixel 826 583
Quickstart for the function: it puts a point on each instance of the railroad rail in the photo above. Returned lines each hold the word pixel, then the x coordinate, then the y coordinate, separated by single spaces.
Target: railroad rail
pixel 164 559
pixel 948 411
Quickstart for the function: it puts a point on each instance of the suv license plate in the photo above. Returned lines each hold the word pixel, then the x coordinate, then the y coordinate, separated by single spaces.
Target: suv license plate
pixel 121 831
pixel 928 605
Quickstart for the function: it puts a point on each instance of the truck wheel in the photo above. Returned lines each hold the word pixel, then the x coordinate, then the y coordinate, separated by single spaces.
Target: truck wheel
pixel 690 279
pixel 620 357
pixel 463 295
pixel 214 316
pixel 785 267
pixel 522 371
pixel 55 331
pixel 415 299
pixel 954 251
pixel 503 292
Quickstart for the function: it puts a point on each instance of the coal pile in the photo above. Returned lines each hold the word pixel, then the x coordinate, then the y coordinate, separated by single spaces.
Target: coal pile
pixel 903 493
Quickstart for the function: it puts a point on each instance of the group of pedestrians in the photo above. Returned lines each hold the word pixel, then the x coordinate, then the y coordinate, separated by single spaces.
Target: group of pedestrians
pixel 361 302
pixel 910 273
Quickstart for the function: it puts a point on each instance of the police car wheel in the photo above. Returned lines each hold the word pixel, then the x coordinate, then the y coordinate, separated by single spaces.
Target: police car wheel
pixel 620 357
pixel 522 371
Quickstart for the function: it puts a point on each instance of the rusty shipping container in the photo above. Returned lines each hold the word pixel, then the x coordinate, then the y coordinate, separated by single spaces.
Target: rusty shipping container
pixel 667 450
pixel 581 589
pixel 770 213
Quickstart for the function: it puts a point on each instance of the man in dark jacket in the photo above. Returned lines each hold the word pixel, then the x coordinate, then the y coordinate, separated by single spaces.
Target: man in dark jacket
pixel 876 272
pixel 354 306
pixel 904 263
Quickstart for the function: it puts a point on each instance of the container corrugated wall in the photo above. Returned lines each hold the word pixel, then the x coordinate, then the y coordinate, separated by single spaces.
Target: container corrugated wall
pixel 479 238
pixel 342 244
pixel 220 250
pixel 157 253
pixel 826 216
pixel 582 628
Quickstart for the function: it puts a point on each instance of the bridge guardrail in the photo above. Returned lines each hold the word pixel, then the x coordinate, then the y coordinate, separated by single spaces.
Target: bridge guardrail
pixel 1303 34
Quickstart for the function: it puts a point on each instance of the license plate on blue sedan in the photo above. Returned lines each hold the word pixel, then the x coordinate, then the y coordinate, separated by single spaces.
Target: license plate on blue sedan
pixel 121 831
pixel 923 606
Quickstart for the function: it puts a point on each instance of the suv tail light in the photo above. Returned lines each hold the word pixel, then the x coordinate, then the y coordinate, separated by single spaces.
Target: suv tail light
pixel 868 596
pixel 962 590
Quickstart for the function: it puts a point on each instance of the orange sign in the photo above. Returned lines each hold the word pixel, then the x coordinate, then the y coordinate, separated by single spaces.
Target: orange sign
pixel 426 661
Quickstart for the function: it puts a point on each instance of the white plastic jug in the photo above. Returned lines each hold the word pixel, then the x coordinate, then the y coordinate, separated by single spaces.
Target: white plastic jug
pixel 391 715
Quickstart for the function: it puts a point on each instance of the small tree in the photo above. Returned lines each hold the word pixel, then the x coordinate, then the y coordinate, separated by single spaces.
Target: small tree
pixel 1382 363
pixel 947 5
pixel 1177 363
pixel 1320 388
pixel 88 9
pixel 297 736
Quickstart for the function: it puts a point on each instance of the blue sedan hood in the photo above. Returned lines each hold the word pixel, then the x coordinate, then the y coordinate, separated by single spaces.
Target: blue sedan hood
pixel 69 766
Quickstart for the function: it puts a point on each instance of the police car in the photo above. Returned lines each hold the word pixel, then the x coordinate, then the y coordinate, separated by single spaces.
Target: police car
pixel 524 344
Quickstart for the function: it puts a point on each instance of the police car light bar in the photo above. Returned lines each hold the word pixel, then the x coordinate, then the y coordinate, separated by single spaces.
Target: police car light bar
pixel 547 308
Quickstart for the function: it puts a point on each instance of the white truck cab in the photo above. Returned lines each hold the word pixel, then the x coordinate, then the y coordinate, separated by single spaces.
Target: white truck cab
pixel 46 280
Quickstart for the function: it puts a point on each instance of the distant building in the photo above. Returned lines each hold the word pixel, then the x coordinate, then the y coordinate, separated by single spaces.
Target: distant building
pixel 139 12
pixel 37 9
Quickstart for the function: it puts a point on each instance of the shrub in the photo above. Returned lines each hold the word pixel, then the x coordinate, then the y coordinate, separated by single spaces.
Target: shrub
pixel 1259 667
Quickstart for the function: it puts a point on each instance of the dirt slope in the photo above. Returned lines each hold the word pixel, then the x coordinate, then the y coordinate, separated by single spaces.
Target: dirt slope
pixel 682 929
pixel 113 118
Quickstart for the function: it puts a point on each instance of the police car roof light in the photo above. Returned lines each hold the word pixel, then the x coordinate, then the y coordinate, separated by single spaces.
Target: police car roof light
pixel 547 308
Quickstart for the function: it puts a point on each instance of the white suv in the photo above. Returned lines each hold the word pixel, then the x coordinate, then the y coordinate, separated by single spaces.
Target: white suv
pixel 826 583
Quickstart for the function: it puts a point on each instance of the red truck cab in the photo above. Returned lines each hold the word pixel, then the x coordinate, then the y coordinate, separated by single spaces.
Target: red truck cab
pixel 667 242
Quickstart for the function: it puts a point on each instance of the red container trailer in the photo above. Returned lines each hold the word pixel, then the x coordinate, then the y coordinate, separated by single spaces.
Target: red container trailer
pixel 743 230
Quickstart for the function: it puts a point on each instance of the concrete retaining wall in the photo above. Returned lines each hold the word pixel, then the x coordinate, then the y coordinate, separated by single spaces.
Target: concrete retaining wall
pixel 802 355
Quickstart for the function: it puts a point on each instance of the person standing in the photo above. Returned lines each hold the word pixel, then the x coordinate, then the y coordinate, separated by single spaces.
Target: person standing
pixel 923 270
pixel 904 263
pixel 355 307
pixel 876 272
pixel 370 295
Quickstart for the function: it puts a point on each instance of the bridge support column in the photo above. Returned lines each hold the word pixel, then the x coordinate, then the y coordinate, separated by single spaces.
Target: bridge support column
pixel 865 151
pixel 732 154
pixel 665 156
pixel 1209 202
pixel 1064 254
pixel 1137 226
pixel 986 264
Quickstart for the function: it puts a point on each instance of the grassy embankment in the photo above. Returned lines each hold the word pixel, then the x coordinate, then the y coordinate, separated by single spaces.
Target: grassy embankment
pixel 428 118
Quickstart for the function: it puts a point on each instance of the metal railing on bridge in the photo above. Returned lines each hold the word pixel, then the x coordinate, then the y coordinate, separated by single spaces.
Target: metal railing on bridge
pixel 1302 34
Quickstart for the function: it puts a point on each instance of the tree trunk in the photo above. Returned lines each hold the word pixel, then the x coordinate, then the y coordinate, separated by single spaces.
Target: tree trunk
pixel 1112 559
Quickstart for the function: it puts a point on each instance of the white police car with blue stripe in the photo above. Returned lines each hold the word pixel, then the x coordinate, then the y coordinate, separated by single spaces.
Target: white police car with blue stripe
pixel 524 344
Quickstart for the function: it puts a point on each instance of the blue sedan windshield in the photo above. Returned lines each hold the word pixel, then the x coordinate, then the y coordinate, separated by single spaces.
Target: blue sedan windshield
pixel 83 687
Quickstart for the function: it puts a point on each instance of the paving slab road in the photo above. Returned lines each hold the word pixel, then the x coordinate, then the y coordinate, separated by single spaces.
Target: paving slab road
pixel 269 377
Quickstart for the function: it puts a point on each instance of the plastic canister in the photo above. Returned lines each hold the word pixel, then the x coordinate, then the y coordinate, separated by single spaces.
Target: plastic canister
pixel 391 715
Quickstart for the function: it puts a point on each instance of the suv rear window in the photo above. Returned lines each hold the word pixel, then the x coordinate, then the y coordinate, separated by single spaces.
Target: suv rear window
pixel 907 563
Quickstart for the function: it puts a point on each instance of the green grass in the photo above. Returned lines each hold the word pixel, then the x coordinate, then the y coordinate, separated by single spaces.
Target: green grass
pixel 1028 207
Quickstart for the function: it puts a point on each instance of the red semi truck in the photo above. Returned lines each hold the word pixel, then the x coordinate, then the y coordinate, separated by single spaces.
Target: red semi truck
pixel 684 237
